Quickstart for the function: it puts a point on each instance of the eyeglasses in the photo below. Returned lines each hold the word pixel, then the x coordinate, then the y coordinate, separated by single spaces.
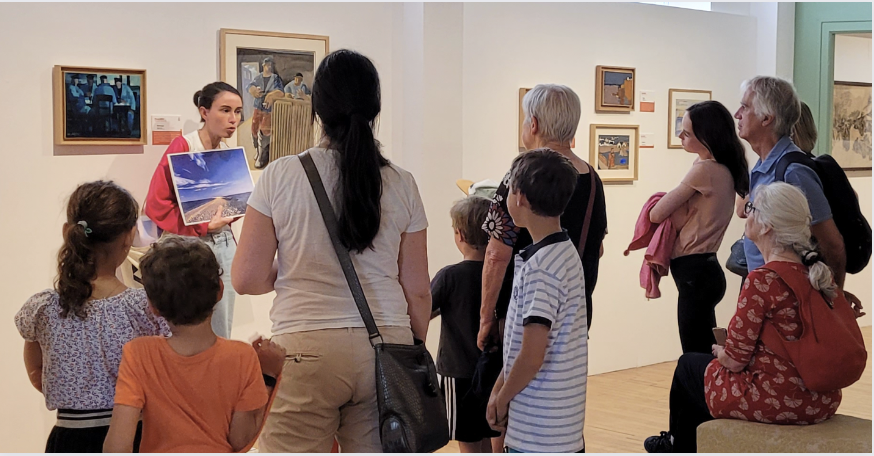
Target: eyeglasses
pixel 749 208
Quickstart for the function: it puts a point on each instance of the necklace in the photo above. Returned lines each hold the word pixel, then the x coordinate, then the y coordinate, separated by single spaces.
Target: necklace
pixel 108 295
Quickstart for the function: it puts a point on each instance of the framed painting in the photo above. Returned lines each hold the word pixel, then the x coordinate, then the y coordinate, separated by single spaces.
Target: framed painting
pixel 267 67
pixel 522 93
pixel 678 101
pixel 614 89
pixel 614 151
pixel 851 127
pixel 99 106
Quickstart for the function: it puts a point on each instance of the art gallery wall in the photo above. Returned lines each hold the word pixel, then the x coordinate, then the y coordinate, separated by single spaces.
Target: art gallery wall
pixel 178 46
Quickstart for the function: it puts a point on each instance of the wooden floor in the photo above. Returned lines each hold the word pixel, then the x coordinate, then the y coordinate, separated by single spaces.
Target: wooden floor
pixel 623 408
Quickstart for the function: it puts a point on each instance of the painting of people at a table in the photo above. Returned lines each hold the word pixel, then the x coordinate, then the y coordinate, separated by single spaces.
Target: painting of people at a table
pixel 102 105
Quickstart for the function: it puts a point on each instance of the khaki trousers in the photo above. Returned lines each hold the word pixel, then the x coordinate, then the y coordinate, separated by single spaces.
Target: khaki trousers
pixel 328 390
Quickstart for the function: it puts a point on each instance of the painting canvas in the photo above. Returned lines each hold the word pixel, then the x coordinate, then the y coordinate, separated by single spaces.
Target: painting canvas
pixel 678 101
pixel 209 182
pixel 851 127
pixel 614 152
pixel 614 91
pixel 99 106
pixel 267 67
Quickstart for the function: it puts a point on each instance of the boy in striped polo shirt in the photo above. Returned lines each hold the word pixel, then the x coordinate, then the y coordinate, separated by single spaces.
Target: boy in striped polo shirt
pixel 539 400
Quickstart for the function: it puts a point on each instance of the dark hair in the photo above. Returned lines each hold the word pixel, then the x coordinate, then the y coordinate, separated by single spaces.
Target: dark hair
pixel 546 178
pixel 804 131
pixel 468 216
pixel 106 211
pixel 204 97
pixel 271 62
pixel 117 79
pixel 103 77
pixel 182 279
pixel 298 74
pixel 713 125
pixel 346 100
pixel 89 76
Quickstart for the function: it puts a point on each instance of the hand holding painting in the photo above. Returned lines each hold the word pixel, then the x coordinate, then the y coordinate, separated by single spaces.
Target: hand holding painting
pixel 218 222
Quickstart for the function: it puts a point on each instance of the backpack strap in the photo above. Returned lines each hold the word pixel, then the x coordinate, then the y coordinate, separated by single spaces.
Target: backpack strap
pixel 795 155
pixel 584 234
pixel 804 293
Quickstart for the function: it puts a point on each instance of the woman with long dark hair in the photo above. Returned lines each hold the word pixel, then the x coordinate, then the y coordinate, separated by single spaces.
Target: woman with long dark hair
pixel 328 388
pixel 220 107
pixel 700 208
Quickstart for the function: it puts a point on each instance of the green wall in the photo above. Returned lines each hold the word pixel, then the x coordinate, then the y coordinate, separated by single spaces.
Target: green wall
pixel 816 24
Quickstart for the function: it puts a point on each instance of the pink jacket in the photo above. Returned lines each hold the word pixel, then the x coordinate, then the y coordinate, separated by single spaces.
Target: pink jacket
pixel 658 238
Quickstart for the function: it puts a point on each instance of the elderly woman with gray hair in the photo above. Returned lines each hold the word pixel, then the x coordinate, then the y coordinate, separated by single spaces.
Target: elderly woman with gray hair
pixel 552 113
pixel 751 376
pixel 769 110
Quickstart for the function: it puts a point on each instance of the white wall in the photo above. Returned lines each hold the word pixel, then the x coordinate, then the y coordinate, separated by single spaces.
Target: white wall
pixel 853 64
pixel 178 45
pixel 513 45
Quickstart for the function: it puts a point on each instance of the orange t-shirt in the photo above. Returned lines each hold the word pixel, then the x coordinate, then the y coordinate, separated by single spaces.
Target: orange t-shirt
pixel 188 401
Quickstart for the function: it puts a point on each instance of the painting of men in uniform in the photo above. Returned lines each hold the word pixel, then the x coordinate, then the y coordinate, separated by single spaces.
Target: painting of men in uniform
pixel 264 76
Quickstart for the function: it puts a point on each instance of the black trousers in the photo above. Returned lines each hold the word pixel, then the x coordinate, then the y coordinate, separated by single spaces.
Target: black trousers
pixel 701 283
pixel 687 401
pixel 84 440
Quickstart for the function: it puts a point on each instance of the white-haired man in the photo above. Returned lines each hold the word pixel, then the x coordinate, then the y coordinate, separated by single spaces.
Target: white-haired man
pixel 769 109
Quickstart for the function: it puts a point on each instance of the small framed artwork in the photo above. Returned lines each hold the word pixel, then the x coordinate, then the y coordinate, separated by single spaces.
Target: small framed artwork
pixel 99 106
pixel 614 151
pixel 522 93
pixel 851 127
pixel 211 181
pixel 614 89
pixel 678 101
pixel 267 67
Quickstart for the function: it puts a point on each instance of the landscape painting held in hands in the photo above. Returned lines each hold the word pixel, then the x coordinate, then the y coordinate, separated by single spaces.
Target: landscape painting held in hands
pixel 211 181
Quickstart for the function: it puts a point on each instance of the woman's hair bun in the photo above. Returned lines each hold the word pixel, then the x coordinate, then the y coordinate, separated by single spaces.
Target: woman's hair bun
pixel 197 98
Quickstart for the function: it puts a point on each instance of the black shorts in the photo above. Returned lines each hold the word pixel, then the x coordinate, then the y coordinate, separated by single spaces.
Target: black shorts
pixel 466 413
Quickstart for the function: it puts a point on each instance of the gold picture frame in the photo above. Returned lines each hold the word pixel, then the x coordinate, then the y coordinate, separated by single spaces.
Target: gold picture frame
pixel 244 56
pixel 614 89
pixel 89 111
pixel 614 151
pixel 678 101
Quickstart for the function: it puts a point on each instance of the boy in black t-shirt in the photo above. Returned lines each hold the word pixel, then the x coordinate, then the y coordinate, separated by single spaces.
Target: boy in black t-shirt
pixel 455 293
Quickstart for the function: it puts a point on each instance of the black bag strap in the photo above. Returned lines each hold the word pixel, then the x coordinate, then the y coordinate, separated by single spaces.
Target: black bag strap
pixel 793 156
pixel 342 253
pixel 588 218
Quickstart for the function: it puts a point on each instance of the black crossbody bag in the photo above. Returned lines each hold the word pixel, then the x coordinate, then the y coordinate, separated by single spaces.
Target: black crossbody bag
pixel 412 411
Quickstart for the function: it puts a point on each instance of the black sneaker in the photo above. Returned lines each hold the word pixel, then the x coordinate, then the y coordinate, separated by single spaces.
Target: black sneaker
pixel 659 443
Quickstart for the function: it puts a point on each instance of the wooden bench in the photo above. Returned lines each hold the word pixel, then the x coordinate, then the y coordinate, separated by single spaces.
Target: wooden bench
pixel 839 434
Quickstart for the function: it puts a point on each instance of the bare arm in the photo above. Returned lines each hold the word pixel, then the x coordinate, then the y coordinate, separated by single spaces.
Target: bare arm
pixel 669 203
pixel 33 363
pixel 245 426
pixel 831 244
pixel 122 429
pixel 535 338
pixel 739 204
pixel 498 256
pixel 254 270
pixel 413 277
pixel 727 361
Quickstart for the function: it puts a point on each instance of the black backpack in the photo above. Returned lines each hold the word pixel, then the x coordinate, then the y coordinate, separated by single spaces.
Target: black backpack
pixel 843 201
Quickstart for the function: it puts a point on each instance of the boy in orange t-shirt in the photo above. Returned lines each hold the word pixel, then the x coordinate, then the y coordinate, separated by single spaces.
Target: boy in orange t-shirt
pixel 197 392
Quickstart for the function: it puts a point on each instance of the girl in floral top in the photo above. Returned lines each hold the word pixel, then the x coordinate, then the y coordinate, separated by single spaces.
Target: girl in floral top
pixel 747 380
pixel 74 333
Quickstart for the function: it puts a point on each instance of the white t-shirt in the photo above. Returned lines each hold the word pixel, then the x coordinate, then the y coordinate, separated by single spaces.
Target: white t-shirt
pixel 311 291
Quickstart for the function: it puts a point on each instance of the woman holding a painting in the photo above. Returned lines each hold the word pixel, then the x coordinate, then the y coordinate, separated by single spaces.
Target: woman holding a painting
pixel 700 208
pixel 220 107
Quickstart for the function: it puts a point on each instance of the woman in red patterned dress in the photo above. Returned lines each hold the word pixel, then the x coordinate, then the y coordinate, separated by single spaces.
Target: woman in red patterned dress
pixel 745 379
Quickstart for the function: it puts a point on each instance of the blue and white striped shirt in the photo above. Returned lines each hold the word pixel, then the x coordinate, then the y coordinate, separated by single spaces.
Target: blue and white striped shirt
pixel 549 289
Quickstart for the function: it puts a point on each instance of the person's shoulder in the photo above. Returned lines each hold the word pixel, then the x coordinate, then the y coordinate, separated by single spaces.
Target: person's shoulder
pixel 42 299
pixel 143 344
pixel 235 349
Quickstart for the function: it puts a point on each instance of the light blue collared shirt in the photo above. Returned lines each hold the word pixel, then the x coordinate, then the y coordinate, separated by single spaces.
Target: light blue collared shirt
pixel 798 175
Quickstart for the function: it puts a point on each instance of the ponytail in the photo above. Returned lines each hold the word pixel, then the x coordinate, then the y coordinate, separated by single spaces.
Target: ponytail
pixel 346 100
pixel 97 214
pixel 819 274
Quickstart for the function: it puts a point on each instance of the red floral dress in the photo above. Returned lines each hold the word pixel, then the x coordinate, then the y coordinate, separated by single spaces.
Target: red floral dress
pixel 769 389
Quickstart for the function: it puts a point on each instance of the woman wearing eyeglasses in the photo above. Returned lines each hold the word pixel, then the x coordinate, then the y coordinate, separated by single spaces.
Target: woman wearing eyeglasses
pixel 700 208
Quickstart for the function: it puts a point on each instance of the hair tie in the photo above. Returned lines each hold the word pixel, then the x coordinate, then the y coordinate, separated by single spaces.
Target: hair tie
pixel 84 225
pixel 810 258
